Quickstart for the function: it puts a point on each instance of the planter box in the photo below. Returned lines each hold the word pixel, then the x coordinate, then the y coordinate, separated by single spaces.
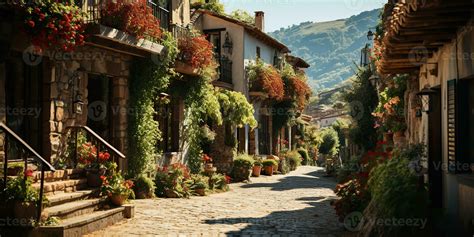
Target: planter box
pixel 184 68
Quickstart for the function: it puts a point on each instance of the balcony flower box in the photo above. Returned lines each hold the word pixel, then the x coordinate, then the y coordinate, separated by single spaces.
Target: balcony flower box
pixel 185 68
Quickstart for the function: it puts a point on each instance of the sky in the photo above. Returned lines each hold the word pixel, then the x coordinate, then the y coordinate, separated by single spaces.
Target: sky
pixel 283 13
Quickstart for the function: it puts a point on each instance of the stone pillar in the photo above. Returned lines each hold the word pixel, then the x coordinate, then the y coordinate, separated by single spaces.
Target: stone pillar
pixel 119 104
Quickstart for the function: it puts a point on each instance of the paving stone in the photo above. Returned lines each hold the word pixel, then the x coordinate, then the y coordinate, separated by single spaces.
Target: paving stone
pixel 297 204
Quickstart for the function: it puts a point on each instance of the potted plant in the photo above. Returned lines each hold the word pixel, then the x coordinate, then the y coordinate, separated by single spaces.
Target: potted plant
pixel 171 181
pixel 242 168
pixel 116 188
pixel 268 165
pixel 143 187
pixel 15 169
pixel 94 164
pixel 257 168
pixel 23 196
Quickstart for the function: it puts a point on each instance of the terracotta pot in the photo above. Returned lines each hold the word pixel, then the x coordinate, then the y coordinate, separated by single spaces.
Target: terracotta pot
pixel 118 199
pixel 256 171
pixel 93 177
pixel 268 170
pixel 170 194
pixel 399 134
pixel 14 171
pixel 388 137
pixel 200 191
pixel 24 210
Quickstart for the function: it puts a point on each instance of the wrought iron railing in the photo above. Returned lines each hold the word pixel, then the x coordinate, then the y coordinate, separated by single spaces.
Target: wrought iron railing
pixel 27 155
pixel 92 137
pixel 225 70
pixel 94 7
pixel 180 32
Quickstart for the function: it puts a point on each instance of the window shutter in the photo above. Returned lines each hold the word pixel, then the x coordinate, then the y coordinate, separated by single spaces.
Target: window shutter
pixel 452 126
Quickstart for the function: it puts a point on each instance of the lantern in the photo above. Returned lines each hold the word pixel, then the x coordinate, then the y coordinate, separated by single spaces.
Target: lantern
pixel 227 44
pixel 425 98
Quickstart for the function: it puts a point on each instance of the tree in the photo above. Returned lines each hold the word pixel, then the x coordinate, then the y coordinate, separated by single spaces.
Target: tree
pixel 211 5
pixel 243 16
pixel 339 126
pixel 362 99
pixel 330 142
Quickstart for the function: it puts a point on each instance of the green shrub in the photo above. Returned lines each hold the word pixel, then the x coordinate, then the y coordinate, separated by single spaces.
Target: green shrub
pixel 349 169
pixel 396 191
pixel 294 160
pixel 241 170
pixel 257 162
pixel 143 187
pixel 269 162
pixel 284 166
pixel 171 181
pixel 305 156
pixel 220 182
pixel 198 182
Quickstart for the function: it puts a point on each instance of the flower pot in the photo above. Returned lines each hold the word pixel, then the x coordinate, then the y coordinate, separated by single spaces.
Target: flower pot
pixel 200 191
pixel 14 171
pixel 269 170
pixel 170 194
pixel 388 137
pixel 256 171
pixel 118 199
pixel 399 134
pixel 24 210
pixel 93 177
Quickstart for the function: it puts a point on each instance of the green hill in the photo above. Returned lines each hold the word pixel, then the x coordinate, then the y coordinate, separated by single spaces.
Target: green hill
pixel 331 48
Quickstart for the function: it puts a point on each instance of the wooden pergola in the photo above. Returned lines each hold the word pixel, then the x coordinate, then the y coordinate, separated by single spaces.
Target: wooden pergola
pixel 415 29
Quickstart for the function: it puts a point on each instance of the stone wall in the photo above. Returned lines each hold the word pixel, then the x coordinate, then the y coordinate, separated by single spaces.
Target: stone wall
pixel 222 155
pixel 69 78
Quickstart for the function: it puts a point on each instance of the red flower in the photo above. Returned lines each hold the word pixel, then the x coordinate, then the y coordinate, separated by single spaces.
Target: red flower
pixel 29 173
pixel 31 23
pixel 42 16
pixel 228 179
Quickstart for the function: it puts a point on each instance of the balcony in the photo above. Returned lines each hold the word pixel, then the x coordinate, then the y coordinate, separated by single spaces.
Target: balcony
pixel 94 7
pixel 180 32
pixel 106 32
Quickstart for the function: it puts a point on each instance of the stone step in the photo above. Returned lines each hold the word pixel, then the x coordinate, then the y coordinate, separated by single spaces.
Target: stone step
pixel 64 186
pixel 74 208
pixel 83 224
pixel 60 198
pixel 58 175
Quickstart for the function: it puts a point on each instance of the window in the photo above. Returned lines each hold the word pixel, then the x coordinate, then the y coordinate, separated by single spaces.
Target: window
pixel 264 135
pixel 460 125
pixel 258 52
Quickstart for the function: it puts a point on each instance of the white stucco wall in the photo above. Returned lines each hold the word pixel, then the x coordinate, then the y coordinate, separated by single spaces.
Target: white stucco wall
pixel 236 35
pixel 448 69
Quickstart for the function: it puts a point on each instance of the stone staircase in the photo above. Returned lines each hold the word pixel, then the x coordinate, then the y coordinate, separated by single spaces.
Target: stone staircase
pixel 80 209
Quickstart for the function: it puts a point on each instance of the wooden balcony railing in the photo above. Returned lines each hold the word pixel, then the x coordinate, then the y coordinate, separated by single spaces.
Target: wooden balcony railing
pixel 160 13
pixel 27 155
pixel 180 32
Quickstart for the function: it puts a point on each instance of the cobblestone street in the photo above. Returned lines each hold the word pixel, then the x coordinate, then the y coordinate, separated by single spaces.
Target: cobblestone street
pixel 296 204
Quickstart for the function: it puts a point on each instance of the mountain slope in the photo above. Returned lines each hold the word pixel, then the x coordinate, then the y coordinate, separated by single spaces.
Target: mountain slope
pixel 331 48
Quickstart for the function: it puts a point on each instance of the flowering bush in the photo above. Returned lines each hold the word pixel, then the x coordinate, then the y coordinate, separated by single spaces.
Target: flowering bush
pixel 53 24
pixel 196 51
pixel 389 114
pixel 300 90
pixel 266 78
pixel 133 17
pixel 115 184
pixel 20 188
pixel 170 181
pixel 206 159
pixel 87 155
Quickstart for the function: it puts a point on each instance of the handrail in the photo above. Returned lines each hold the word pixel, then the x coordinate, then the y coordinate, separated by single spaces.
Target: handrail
pixel 27 147
pixel 100 139
pixel 45 165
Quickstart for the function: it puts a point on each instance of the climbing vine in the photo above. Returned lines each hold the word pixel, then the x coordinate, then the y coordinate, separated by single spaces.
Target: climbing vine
pixel 202 107
pixel 148 78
